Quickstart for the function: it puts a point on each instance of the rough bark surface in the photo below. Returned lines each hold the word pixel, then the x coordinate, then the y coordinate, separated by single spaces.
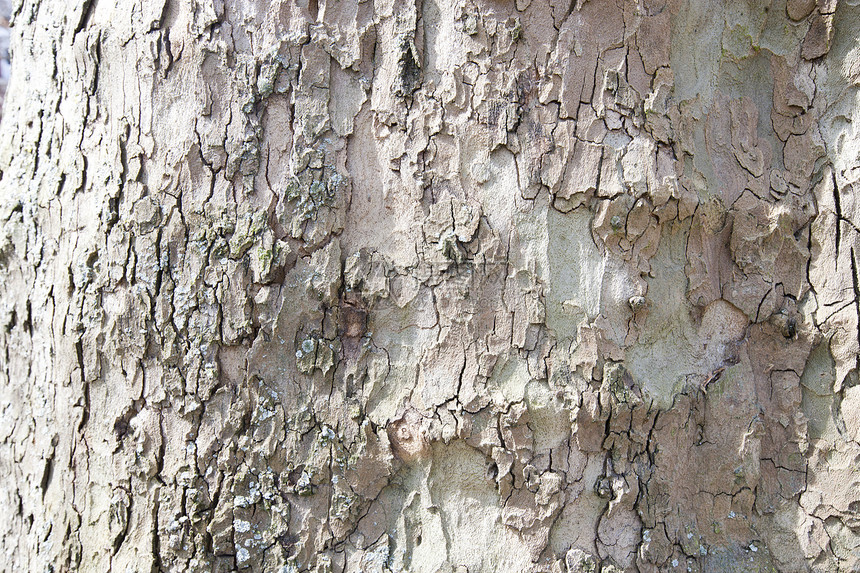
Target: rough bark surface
pixel 431 285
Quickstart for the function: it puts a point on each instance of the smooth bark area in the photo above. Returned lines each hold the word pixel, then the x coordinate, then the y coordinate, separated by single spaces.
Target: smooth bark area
pixel 430 285
pixel 5 68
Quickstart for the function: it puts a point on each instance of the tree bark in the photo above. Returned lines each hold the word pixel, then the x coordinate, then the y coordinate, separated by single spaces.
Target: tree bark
pixel 430 285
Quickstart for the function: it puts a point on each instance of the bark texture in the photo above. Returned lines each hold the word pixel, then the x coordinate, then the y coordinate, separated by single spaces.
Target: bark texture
pixel 5 14
pixel 431 285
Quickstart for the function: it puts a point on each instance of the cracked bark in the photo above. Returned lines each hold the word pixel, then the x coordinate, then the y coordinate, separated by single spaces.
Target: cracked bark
pixel 430 286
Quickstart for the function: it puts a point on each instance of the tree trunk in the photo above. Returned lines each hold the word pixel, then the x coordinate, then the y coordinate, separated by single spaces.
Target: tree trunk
pixel 430 285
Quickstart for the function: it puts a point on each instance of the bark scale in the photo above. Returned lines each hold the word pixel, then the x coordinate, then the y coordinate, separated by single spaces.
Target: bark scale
pixel 437 285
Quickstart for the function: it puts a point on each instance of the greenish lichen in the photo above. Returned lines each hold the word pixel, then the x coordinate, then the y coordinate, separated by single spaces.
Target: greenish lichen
pixel 617 382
